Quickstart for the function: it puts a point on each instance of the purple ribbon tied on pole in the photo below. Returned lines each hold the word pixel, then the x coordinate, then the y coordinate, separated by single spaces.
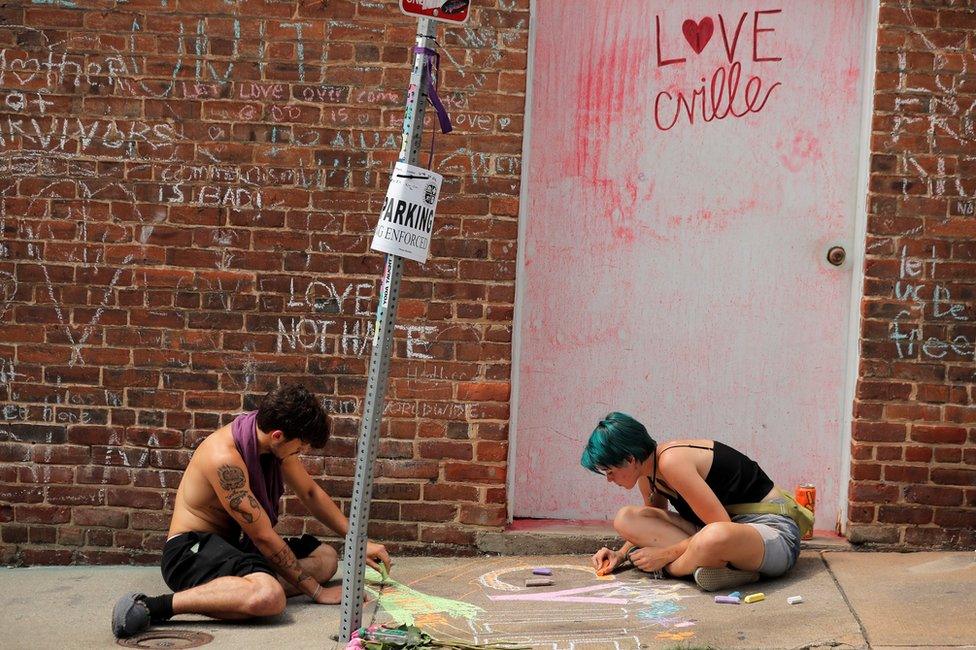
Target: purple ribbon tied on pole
pixel 433 63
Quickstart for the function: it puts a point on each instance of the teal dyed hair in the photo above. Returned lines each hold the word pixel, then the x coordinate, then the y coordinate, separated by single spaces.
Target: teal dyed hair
pixel 615 440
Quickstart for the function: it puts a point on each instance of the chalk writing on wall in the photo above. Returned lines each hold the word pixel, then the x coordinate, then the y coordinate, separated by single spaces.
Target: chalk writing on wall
pixel 928 301
pixel 723 93
pixel 924 327
pixel 943 113
pixel 239 124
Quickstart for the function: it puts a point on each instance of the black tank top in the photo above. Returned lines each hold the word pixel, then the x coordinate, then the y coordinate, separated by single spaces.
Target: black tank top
pixel 733 477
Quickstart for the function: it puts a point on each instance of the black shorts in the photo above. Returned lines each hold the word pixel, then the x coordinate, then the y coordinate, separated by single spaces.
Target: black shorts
pixel 191 559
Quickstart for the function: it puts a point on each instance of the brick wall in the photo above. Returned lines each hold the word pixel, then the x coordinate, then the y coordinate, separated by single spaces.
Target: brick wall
pixel 914 437
pixel 186 200
pixel 187 191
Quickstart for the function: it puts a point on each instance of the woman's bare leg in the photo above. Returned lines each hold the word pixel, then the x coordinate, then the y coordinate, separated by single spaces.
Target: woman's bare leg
pixel 719 544
pixel 645 526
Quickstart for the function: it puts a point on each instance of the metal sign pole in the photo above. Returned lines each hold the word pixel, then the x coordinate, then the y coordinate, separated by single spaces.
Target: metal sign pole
pixel 354 557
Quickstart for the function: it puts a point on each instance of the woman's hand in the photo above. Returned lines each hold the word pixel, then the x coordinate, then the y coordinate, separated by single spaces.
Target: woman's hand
pixel 606 560
pixel 651 559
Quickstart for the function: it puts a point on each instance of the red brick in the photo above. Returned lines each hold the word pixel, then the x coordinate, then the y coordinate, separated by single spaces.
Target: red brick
pixel 397 491
pixel 133 498
pixel 879 431
pixel 75 495
pixel 938 434
pixel 861 514
pixel 865 471
pixel 918 454
pixel 21 493
pixel 933 495
pixel 904 515
pixel 61 454
pixel 46 556
pixel 483 515
pixel 104 475
pixel 71 536
pixel 42 514
pixel 14 533
pixel 913 412
pixel 390 530
pixel 438 449
pixel 492 451
pixel 476 473
pixel 143 520
pixel 436 512
pixel 873 493
pixel 46 474
pixel 953 476
pixel 906 474
pixel 450 492
pixel 484 391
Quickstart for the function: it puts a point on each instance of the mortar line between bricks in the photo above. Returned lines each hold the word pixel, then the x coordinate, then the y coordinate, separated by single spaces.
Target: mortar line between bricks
pixel 847 601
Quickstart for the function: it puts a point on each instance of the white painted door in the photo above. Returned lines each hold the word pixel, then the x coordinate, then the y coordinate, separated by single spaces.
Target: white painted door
pixel 690 166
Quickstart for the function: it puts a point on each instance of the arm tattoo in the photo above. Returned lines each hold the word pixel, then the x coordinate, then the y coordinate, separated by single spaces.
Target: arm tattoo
pixel 235 500
pixel 231 477
pixel 285 560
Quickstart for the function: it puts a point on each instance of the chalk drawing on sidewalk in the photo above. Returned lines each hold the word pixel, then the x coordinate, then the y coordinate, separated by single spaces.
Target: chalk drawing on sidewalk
pixel 626 606
pixel 404 603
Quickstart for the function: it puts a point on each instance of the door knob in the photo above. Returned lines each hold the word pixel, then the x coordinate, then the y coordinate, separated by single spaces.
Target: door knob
pixel 836 255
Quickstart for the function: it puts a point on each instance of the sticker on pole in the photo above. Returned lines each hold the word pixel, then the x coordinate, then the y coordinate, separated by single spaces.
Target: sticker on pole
pixel 448 11
pixel 407 218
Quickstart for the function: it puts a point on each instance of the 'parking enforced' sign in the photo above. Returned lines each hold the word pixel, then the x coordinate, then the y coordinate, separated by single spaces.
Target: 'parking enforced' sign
pixel 407 218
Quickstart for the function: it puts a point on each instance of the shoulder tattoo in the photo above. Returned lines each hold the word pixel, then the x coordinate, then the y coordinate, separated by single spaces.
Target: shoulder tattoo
pixel 231 477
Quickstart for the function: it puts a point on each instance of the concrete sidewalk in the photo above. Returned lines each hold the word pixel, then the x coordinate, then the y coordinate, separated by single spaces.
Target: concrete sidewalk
pixel 857 600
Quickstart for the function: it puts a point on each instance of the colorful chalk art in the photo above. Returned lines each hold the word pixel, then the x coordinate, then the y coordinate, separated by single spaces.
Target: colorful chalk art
pixel 580 611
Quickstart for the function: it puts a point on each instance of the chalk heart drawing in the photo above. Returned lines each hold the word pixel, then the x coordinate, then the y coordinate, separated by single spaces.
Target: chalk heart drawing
pixel 21 64
pixel 698 34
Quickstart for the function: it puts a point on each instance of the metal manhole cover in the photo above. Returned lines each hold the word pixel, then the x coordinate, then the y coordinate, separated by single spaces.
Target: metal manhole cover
pixel 167 639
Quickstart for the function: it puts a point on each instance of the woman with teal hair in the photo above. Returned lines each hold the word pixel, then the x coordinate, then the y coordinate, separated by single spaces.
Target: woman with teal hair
pixel 700 479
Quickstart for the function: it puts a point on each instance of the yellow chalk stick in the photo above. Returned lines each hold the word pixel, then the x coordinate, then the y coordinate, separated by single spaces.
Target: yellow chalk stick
pixel 754 598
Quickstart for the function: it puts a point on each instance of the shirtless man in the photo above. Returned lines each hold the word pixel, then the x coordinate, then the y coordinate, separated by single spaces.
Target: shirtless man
pixel 231 486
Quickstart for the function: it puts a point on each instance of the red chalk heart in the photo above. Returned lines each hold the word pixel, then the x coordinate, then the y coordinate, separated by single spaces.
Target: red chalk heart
pixel 698 34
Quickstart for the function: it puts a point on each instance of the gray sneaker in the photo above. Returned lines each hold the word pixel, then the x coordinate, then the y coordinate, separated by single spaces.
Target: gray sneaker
pixel 723 577
pixel 130 616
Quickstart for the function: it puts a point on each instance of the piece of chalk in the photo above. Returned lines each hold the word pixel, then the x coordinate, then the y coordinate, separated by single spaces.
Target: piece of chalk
pixel 754 598
pixel 735 594
pixel 538 582
pixel 542 571
pixel 794 600
pixel 729 600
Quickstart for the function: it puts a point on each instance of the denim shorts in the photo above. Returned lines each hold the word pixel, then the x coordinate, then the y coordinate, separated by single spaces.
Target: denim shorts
pixel 781 540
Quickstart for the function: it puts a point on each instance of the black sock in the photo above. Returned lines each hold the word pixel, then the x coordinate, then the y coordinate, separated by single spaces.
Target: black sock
pixel 160 607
